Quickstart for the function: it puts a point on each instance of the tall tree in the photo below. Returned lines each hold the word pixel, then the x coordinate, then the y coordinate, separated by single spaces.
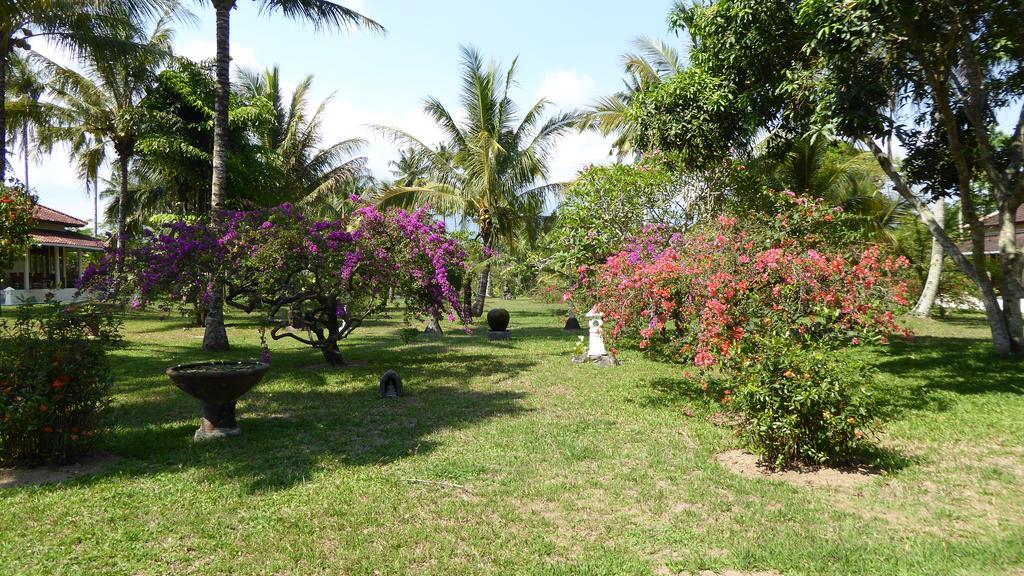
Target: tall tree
pixel 100 107
pixel 309 170
pixel 26 85
pixel 495 163
pixel 321 14
pixel 646 68
pixel 78 26
pixel 789 65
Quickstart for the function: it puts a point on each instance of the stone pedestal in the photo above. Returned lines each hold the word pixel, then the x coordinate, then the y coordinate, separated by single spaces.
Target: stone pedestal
pixel 499 335
pixel 218 422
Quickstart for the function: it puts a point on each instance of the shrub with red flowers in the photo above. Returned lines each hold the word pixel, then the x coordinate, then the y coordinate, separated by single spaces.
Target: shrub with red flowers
pixel 327 276
pixel 54 383
pixel 724 296
pixel 15 221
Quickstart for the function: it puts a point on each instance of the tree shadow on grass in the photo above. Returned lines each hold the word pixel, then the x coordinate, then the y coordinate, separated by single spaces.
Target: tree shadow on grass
pixel 929 364
pixel 297 421
pixel 287 436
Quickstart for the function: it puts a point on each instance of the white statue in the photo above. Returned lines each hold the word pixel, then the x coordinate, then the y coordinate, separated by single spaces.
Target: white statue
pixel 596 348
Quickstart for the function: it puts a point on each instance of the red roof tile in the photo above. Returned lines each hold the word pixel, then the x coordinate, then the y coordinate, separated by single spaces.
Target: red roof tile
pixel 47 214
pixel 66 239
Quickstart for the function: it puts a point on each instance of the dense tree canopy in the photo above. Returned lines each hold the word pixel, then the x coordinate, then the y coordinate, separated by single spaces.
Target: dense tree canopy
pixel 932 75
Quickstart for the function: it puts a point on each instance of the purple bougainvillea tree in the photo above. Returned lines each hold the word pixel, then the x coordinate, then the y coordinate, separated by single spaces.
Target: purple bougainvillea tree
pixel 327 276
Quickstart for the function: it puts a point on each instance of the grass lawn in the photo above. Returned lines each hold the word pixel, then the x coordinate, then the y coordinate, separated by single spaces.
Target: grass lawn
pixel 533 466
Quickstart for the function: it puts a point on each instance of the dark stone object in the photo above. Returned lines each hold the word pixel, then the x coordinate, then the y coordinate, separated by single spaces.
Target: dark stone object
pixel 218 385
pixel 499 335
pixel 497 320
pixel 391 385
pixel 572 324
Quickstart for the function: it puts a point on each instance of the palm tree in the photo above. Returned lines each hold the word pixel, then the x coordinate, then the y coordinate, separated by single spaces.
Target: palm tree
pixel 645 69
pixel 309 171
pixel 322 14
pixel 411 169
pixel 492 168
pixel 26 85
pixel 819 166
pixel 79 26
pixel 100 108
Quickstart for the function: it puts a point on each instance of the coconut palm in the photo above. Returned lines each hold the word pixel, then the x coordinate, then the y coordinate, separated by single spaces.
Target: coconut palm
pixel 100 106
pixel 653 61
pixel 819 166
pixel 494 164
pixel 321 14
pixel 309 171
pixel 78 26
pixel 26 85
pixel 411 169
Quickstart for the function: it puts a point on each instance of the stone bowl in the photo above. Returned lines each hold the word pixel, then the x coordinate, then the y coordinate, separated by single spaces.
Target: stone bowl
pixel 497 320
pixel 218 381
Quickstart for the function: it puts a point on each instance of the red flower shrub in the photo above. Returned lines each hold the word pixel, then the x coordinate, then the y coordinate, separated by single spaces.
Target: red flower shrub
pixel 705 295
pixel 16 221
pixel 758 299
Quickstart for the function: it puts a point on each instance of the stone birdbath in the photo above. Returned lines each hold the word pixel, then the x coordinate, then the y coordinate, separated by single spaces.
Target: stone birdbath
pixel 218 385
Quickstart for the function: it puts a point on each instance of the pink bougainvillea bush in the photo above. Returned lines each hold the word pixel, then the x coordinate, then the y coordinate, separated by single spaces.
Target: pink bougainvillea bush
pixel 326 275
pixel 725 294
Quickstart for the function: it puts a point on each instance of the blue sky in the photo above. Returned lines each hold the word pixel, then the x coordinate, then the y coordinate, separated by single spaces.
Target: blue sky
pixel 568 52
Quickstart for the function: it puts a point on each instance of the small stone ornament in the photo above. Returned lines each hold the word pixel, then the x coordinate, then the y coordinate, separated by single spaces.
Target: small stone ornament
pixel 572 324
pixel 391 385
pixel 596 351
pixel 497 321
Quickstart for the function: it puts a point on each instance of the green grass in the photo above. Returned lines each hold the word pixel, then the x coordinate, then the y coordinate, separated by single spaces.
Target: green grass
pixel 567 469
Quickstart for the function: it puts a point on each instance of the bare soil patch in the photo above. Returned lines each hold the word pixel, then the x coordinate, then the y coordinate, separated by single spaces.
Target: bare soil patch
pixel 666 572
pixel 88 464
pixel 745 464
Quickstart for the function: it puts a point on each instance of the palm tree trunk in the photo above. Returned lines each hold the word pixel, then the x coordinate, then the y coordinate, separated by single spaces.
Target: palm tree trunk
pixel 122 210
pixel 5 51
pixel 923 309
pixel 96 205
pixel 216 336
pixel 481 293
pixel 220 119
pixel 24 149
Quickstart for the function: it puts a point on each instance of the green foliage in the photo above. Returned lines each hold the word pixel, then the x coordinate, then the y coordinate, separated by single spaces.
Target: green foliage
pixel 54 382
pixel 803 406
pixel 605 207
pixel 175 153
pixel 693 114
pixel 15 221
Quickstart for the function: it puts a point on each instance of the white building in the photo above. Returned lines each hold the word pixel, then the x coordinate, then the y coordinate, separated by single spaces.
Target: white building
pixel 54 261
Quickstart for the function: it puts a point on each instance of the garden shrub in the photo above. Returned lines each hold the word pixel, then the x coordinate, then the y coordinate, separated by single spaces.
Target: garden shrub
pixel 16 220
pixel 799 278
pixel 802 405
pixel 54 382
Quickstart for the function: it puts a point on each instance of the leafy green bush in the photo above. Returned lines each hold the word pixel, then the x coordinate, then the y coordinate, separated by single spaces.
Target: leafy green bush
pixel 54 382
pixel 801 405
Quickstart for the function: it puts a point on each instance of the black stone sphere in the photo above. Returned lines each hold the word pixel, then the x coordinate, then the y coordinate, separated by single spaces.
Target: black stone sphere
pixel 497 320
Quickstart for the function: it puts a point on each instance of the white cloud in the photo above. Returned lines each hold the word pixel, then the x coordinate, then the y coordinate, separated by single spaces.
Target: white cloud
pixel 344 119
pixel 242 56
pixel 566 88
pixel 576 151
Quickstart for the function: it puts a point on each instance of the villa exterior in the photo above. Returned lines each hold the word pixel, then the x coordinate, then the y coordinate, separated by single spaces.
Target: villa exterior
pixel 54 261
pixel 991 225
